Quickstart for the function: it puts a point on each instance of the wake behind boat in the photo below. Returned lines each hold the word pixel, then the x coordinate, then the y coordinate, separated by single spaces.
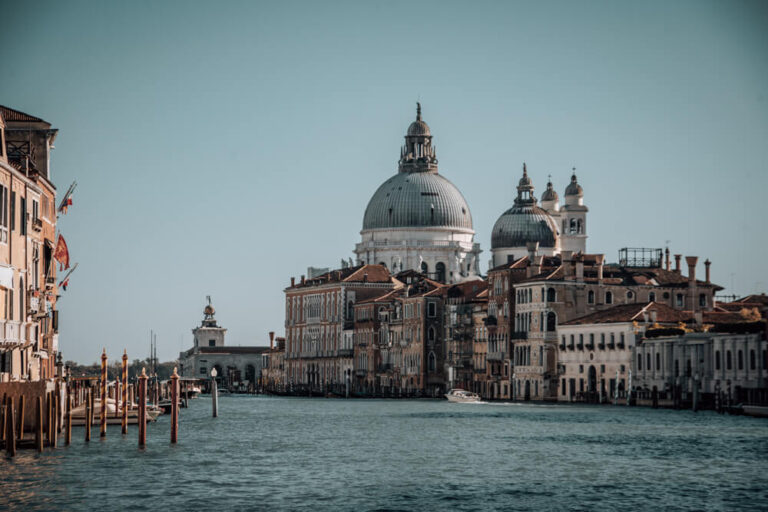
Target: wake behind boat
pixel 461 395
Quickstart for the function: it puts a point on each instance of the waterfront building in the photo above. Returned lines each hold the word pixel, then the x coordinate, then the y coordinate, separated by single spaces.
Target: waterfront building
pixel 319 317
pixel 238 368
pixel 28 287
pixel 273 379
pixel 466 310
pixel 583 284
pixel 417 219
pixel 597 349
pixel 696 369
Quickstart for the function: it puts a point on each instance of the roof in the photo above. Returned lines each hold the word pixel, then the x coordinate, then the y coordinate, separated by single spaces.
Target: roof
pixel 233 350
pixel 625 313
pixel 754 299
pixel 521 224
pixel 358 274
pixel 10 114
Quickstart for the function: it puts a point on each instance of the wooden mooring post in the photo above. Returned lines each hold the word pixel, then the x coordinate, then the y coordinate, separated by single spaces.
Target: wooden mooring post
pixel 174 407
pixel 39 424
pixel 88 413
pixel 10 434
pixel 68 432
pixel 143 408
pixel 20 431
pixel 103 429
pixel 124 422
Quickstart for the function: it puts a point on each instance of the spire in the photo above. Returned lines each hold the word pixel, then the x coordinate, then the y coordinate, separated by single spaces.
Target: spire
pixel 418 111
pixel 418 154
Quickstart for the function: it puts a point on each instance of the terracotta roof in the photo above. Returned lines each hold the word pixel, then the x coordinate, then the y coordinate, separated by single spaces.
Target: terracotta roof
pixel 360 273
pixel 624 313
pixel 10 114
pixel 760 299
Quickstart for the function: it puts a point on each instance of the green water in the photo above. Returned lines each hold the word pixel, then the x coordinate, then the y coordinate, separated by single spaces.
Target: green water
pixel 318 454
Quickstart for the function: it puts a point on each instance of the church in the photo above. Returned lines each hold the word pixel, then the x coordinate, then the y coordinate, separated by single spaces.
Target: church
pixel 419 220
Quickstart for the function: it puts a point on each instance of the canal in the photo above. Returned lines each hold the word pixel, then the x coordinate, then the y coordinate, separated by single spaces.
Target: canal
pixel 313 454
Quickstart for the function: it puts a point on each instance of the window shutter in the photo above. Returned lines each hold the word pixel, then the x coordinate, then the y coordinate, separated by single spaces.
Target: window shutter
pixel 23 215
pixel 13 211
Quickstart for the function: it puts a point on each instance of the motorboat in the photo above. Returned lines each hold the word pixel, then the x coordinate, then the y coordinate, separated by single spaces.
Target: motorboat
pixel 462 396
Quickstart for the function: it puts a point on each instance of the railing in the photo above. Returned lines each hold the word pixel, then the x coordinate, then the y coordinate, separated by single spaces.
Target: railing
pixel 496 356
pixel 346 352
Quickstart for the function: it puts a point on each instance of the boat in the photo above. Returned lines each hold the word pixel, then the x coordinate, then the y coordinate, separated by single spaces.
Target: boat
pixel 462 396
pixel 78 414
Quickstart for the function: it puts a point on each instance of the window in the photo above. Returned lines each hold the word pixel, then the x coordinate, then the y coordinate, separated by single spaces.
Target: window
pixel 431 309
pixel 608 297
pixel 432 361
pixel 717 359
pixel 3 214
pixel 203 370
pixel 431 334
pixel 424 267
pixel 551 295
pixel 703 300
pixel 211 343
pixel 591 297
pixel 648 361
pixel 751 359
pixel 741 360
pixel 728 364
pixel 581 368
pixel 658 361
pixel 22 313
pixel 440 272
pixel 639 362
pixel 23 215
pixel 652 297
pixel 679 300
pixel 13 211
pixel 630 296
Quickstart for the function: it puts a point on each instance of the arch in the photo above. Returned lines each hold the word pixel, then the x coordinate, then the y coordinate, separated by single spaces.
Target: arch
pixel 592 379
pixel 551 321
pixel 728 363
pixel 551 295
pixel 752 359
pixel 432 362
pixel 527 395
pixel 383 264
pixel 440 272
pixel 431 334
pixel 424 267
pixel 741 360
pixel 250 373
pixel 658 361
pixel 609 297
pixel 591 297
pixel 652 297
pixel 717 359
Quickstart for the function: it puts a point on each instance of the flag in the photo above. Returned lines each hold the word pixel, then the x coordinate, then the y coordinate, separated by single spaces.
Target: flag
pixel 64 284
pixel 66 202
pixel 61 253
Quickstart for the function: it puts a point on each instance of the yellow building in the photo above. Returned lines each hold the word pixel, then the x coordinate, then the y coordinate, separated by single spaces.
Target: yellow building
pixel 28 288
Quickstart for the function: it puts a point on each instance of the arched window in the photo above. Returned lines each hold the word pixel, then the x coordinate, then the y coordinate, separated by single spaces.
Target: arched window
pixel 658 361
pixel 22 313
pixel 639 362
pixel 630 295
pixel 717 359
pixel 677 368
pixel 751 359
pixel 591 297
pixel 741 360
pixel 350 310
pixel 648 360
pixel 424 267
pixel 431 334
pixel 728 364
pixel 432 361
pixel 530 294
pixel 440 271
pixel 551 295
pixel 573 227
pixel 551 321
pixel 609 297
pixel 383 264
pixel 652 297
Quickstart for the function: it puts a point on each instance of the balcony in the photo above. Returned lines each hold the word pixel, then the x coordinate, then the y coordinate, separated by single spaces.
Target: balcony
pixel 479 370
pixel 571 346
pixel 37 224
pixel 601 346
pixel 496 356
pixel 612 345
pixel 590 346
pixel 519 335
pixel 346 352
pixel 562 346
pixel 580 346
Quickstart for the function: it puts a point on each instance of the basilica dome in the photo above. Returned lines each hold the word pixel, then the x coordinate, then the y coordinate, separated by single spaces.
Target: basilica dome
pixel 522 224
pixel 417 199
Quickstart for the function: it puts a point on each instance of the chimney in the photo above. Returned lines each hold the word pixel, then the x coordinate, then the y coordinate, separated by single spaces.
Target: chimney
pixel 691 261
pixel 271 340
pixel 533 247
pixel 707 263
pixel 566 257
pixel 538 261
pixel 302 279
pixel 666 259
pixel 677 262
pixel 579 258
pixel 600 258
pixel 293 282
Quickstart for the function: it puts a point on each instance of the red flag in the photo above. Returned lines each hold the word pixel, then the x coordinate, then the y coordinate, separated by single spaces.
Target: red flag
pixel 61 253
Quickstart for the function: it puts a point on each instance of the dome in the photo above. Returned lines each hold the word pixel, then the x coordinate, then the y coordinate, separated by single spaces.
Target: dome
pixel 574 189
pixel 549 194
pixel 417 199
pixel 419 128
pixel 521 224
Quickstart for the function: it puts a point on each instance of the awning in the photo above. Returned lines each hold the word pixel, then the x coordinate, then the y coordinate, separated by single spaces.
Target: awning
pixel 6 277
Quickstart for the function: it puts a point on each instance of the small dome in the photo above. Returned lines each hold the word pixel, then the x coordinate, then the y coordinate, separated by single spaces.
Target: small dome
pixel 419 128
pixel 209 311
pixel 574 189
pixel 417 199
pixel 549 194
pixel 521 224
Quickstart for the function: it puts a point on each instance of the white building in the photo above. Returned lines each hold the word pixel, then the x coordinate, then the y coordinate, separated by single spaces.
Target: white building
pixel 555 228
pixel 419 220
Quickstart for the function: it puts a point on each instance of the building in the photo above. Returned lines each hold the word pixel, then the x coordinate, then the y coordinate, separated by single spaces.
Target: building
pixel 417 219
pixel 28 287
pixel 237 368
pixel 526 222
pixel 319 318
pixel 595 353
pixel 273 378
pixel 702 369
pixel 466 311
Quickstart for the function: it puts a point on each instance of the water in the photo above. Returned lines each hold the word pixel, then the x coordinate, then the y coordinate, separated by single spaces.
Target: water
pixel 312 454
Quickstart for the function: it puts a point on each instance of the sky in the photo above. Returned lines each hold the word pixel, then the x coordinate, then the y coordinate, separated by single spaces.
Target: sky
pixel 222 147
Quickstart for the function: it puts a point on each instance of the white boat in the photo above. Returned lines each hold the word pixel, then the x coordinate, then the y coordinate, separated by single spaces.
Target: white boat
pixel 461 395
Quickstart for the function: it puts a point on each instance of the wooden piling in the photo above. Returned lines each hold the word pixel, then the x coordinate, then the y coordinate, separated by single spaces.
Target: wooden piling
pixel 214 398
pixel 125 392
pixel 68 432
pixel 10 435
pixel 88 413
pixel 174 407
pixel 20 431
pixel 56 418
pixel 3 428
pixel 49 418
pixel 143 408
pixel 103 430
pixel 39 424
